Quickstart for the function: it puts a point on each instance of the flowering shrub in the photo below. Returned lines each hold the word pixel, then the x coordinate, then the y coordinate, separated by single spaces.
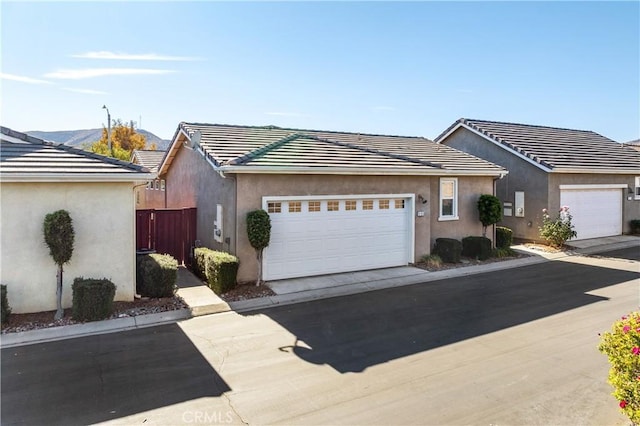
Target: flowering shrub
pixel 556 232
pixel 622 346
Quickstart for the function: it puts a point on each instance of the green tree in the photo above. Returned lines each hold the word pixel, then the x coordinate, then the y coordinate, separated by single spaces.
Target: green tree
pixel 59 237
pixel 489 211
pixel 259 233
pixel 124 139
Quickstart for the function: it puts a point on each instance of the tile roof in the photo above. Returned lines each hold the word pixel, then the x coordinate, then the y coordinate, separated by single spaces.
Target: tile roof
pixel 22 156
pixel 150 159
pixel 556 149
pixel 232 147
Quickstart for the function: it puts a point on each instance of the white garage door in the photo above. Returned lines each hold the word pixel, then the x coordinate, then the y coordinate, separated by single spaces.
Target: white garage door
pixel 596 212
pixel 337 234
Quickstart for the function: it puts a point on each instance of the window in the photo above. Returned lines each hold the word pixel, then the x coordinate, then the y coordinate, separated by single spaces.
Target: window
pixel 448 199
pixel 150 184
pixel 367 204
pixel 350 204
pixel 295 206
pixel 273 207
pixel 637 191
pixel 162 185
pixel 383 204
pixel 333 206
pixel 157 184
pixel 399 204
pixel 314 206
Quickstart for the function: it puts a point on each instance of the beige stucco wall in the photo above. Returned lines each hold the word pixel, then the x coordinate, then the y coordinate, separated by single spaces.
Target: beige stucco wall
pixel 630 208
pixel 192 182
pixel 427 228
pixel 147 198
pixel 104 223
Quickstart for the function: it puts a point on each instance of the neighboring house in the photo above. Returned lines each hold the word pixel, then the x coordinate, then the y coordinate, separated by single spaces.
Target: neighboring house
pixel 151 196
pixel 597 178
pixel 635 144
pixel 338 201
pixel 39 177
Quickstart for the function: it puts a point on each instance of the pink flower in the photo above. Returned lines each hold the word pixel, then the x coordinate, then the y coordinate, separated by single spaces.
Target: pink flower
pixel 623 403
pixel 626 328
pixel 638 329
pixel 544 211
pixel 635 350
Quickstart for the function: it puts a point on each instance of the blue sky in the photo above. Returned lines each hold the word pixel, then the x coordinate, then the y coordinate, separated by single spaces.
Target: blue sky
pixel 408 68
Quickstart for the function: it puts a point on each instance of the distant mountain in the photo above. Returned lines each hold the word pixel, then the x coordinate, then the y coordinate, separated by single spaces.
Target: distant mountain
pixel 78 138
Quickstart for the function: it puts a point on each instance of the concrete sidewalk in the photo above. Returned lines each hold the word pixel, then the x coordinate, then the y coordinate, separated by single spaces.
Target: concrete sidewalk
pixel 202 301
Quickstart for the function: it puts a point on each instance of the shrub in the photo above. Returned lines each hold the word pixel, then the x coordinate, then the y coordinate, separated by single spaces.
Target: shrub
pixel 489 211
pixel 218 268
pixel 504 237
pixel 558 231
pixel 622 346
pixel 431 260
pixel 5 310
pixel 59 237
pixel 259 234
pixel 92 299
pixel 476 247
pixel 156 275
pixel 448 249
pixel 635 226
pixel 501 252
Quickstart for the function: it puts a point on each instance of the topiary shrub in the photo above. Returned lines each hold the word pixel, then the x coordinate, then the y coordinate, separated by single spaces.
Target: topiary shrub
pixel 259 234
pixel 476 247
pixel 59 237
pixel 634 224
pixel 218 268
pixel 448 249
pixel 622 346
pixel 156 275
pixel 5 310
pixel 92 299
pixel 504 237
pixel 489 211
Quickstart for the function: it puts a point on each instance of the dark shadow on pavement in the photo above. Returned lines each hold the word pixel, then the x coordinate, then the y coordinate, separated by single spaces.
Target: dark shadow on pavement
pixel 629 254
pixel 99 378
pixel 355 332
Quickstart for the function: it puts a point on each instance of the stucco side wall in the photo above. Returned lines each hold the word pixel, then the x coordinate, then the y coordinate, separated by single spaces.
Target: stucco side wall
pixel 630 208
pixel 147 198
pixel 468 224
pixel 192 182
pixel 523 176
pixel 427 228
pixel 103 217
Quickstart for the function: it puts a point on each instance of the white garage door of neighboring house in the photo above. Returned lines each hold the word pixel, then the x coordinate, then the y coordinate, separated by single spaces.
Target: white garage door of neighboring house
pixel 316 236
pixel 596 211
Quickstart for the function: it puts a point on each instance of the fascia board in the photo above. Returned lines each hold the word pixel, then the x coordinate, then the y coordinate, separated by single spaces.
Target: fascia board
pixel 506 148
pixel 77 177
pixel 357 171
pixel 597 171
pixel 173 147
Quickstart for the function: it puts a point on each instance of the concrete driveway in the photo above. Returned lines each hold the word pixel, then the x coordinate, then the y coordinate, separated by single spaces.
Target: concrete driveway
pixel 516 346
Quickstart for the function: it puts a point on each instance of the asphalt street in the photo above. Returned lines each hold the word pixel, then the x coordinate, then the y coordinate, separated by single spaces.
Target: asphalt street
pixel 516 346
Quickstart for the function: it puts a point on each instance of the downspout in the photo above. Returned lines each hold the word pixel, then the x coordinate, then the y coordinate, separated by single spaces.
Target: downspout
pixel 135 241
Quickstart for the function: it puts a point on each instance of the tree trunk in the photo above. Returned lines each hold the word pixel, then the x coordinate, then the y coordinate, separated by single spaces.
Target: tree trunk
pixel 259 256
pixel 484 231
pixel 60 311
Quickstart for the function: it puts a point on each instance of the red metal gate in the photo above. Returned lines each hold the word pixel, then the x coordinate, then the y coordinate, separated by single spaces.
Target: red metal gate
pixel 170 231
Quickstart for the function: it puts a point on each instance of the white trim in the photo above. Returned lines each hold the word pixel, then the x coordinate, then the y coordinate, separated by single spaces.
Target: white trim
pixel 454 216
pixel 77 177
pixel 355 171
pixel 596 186
pixel 506 148
pixel 596 171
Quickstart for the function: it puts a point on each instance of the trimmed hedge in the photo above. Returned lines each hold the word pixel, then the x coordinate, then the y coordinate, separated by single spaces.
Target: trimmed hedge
pixel 92 299
pixel 504 237
pixel 156 275
pixel 218 268
pixel 448 249
pixel 476 247
pixel 634 224
pixel 5 310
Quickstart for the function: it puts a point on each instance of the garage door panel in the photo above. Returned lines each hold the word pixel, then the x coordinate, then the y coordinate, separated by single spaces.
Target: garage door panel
pixel 320 242
pixel 595 213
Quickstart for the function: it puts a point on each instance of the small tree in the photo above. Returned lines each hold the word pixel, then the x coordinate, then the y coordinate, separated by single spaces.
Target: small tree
pixel 59 236
pixel 259 233
pixel 489 211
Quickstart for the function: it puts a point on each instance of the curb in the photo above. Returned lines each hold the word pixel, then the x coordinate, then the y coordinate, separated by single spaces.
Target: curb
pixel 31 337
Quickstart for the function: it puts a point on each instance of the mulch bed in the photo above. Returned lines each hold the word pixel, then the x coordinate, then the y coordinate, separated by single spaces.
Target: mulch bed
pixel 38 320
pixel 465 261
pixel 245 291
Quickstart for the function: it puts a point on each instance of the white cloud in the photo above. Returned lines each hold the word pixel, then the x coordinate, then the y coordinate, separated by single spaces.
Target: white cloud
pixel 103 54
pixel 23 79
pixel 78 74
pixel 85 91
